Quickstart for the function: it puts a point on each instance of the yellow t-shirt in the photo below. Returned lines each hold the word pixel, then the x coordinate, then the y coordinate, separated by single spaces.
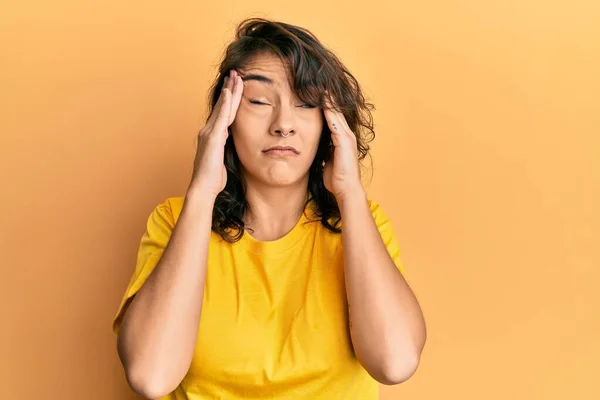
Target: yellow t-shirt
pixel 274 322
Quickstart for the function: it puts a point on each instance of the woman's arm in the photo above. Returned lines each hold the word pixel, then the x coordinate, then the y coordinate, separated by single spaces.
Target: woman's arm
pixel 387 326
pixel 158 334
pixel 159 330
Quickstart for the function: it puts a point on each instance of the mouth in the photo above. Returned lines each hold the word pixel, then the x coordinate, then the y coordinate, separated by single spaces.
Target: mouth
pixel 281 150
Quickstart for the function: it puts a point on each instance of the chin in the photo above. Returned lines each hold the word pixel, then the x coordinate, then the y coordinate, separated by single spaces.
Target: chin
pixel 281 181
pixel 281 177
pixel 277 175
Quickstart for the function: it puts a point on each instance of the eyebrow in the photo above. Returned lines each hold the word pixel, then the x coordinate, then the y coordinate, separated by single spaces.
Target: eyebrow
pixel 258 78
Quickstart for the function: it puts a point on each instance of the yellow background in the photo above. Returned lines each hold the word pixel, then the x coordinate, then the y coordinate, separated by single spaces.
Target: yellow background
pixel 486 160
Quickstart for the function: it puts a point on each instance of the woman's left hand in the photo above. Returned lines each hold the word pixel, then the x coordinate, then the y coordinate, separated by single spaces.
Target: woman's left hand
pixel 341 174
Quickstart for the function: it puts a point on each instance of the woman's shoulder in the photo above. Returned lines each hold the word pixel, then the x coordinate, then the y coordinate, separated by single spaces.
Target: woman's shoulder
pixel 375 208
pixel 379 215
pixel 173 205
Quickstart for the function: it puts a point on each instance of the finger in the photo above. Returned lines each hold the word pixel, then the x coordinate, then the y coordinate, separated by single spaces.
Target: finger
pixel 333 121
pixel 340 119
pixel 345 123
pixel 223 106
pixel 334 128
pixel 347 129
pixel 216 109
pixel 231 85
pixel 236 97
pixel 222 121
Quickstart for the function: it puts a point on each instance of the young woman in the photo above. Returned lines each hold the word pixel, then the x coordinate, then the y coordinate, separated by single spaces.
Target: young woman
pixel 274 276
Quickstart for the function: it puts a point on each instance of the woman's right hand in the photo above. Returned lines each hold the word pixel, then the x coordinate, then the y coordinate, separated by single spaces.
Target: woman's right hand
pixel 209 175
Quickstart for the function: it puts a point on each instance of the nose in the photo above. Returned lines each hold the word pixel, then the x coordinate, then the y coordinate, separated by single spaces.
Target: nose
pixel 284 123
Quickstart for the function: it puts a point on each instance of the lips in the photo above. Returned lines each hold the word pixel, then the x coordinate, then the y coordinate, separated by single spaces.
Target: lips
pixel 282 149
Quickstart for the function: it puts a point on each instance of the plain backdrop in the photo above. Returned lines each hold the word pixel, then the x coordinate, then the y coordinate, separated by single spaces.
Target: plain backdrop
pixel 486 159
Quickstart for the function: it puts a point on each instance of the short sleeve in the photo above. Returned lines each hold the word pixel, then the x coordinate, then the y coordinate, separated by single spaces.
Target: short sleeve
pixel 386 230
pixel 159 226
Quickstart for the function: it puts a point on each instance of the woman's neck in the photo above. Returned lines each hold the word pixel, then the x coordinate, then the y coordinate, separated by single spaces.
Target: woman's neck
pixel 273 211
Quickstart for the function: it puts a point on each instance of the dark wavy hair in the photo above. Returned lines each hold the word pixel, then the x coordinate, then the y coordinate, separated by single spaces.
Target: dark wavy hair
pixel 312 70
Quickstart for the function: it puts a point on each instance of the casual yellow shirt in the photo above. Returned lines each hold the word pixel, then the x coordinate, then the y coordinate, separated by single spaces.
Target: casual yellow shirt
pixel 274 322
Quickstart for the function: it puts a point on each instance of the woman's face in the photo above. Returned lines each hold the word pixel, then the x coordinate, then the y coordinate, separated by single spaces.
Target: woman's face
pixel 269 111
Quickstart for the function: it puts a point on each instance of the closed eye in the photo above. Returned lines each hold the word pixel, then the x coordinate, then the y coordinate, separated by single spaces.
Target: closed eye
pixel 258 102
pixel 266 104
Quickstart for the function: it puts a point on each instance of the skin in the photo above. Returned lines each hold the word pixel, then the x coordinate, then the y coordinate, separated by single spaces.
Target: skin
pixel 276 186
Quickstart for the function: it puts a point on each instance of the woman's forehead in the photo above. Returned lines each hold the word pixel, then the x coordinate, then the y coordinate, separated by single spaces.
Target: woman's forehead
pixel 266 71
